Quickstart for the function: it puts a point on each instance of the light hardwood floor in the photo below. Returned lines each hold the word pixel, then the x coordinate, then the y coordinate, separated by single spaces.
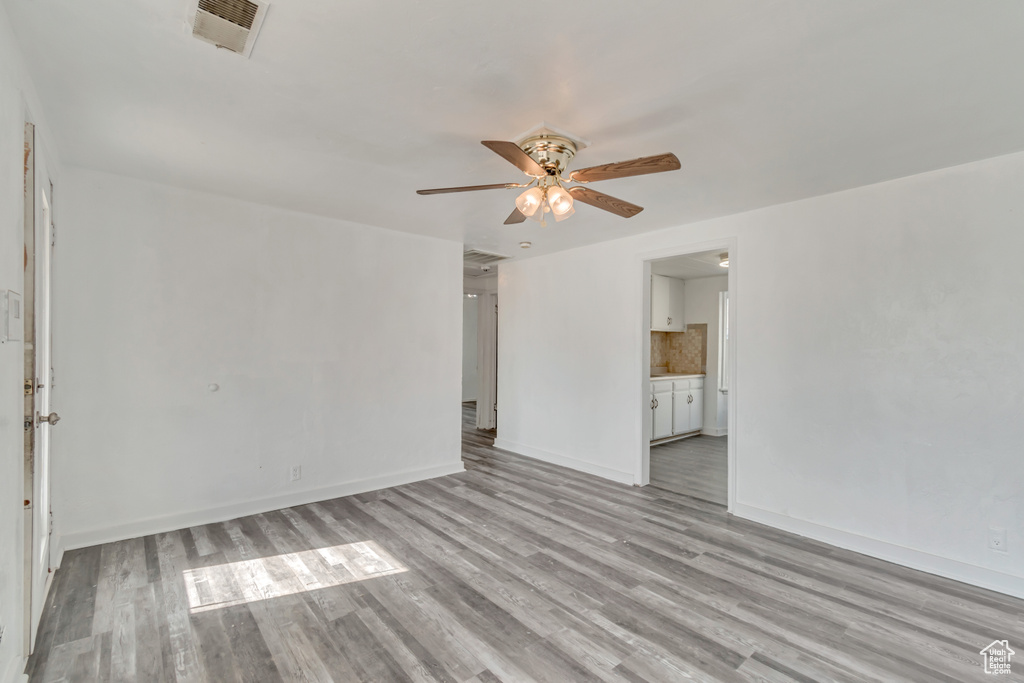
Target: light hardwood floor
pixel 696 466
pixel 512 571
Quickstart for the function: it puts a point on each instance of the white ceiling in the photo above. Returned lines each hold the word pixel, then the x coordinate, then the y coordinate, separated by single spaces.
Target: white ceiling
pixel 346 108
pixel 690 266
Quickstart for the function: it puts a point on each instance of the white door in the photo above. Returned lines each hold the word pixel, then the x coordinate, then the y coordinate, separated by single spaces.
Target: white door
pixel 42 418
pixel 696 409
pixel 676 305
pixel 681 411
pixel 661 402
pixel 660 316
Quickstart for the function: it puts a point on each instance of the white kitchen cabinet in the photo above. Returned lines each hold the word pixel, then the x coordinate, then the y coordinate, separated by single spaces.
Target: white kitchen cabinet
pixel 677 406
pixel 681 411
pixel 697 408
pixel 661 407
pixel 667 304
pixel 687 406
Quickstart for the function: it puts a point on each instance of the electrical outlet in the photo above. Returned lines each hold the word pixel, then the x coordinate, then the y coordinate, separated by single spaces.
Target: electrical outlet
pixel 296 472
pixel 997 538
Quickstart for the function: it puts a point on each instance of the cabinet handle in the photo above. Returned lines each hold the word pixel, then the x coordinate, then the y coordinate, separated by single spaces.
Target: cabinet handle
pixel 655 403
pixel 670 321
pixel 689 398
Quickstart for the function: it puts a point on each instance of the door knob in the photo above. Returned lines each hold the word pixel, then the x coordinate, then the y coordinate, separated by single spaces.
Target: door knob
pixel 52 418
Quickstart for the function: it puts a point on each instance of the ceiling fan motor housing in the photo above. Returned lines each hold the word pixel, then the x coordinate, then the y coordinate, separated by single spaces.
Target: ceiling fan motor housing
pixel 553 152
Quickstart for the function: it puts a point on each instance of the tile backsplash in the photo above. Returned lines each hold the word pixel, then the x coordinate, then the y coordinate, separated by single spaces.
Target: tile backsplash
pixel 681 352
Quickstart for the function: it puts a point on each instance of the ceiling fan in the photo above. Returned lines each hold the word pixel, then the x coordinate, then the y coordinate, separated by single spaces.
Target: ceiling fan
pixel 545 158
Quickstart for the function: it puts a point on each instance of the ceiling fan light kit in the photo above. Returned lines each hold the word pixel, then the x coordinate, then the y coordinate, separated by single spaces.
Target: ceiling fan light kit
pixel 559 200
pixel 543 199
pixel 529 201
pixel 545 157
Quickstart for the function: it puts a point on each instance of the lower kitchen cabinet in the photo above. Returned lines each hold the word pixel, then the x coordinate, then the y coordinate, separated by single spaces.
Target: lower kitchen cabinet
pixel 661 406
pixel 677 406
pixel 687 406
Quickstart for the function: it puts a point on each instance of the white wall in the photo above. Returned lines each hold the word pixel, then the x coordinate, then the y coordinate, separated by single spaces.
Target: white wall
pixel 701 296
pixel 568 359
pixel 480 284
pixel 12 122
pixel 470 375
pixel 878 409
pixel 336 347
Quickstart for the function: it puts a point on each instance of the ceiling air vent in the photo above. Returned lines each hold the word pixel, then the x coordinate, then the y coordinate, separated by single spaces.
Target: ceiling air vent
pixel 476 263
pixel 230 24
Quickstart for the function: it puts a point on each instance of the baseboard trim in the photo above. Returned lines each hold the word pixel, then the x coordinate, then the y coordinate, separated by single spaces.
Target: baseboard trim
pixel 156 525
pixel 907 557
pixel 675 437
pixel 715 432
pixel 565 461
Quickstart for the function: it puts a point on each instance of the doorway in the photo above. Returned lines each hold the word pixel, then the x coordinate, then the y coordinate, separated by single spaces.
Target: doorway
pixel 479 363
pixel 687 374
pixel 38 382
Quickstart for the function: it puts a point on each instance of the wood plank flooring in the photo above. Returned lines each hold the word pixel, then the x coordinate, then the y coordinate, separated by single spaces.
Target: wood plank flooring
pixel 512 571
pixel 696 466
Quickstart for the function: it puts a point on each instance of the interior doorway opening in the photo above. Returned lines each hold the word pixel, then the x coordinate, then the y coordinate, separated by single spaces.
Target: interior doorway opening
pixel 479 360
pixel 686 445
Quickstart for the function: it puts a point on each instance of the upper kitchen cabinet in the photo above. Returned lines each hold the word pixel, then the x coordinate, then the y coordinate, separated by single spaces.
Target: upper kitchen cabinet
pixel 667 311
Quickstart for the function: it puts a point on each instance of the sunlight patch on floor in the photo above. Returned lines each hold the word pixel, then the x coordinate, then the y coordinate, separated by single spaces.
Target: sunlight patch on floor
pixel 263 578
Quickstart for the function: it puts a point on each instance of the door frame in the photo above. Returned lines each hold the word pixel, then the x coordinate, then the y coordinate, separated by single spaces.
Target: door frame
pixel 29 238
pixel 643 420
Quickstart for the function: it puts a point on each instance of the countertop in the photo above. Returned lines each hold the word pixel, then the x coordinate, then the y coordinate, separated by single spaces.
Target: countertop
pixel 655 378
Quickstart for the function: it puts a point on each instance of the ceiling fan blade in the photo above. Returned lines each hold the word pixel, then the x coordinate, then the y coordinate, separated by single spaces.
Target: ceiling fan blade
pixel 468 188
pixel 604 201
pixel 624 169
pixel 510 152
pixel 516 216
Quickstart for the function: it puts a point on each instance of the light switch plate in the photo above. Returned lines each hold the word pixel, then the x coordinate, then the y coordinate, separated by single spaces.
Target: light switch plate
pixel 12 323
